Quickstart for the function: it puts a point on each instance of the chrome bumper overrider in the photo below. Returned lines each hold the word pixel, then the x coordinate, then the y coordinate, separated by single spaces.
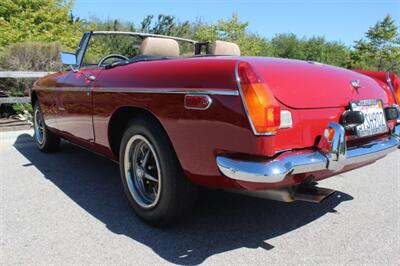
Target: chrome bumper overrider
pixel 396 131
pixel 335 157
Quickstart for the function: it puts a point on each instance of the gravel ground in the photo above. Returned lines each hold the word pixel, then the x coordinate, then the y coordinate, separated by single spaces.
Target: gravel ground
pixel 69 208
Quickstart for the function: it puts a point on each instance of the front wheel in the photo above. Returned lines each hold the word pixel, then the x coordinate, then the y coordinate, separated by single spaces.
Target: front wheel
pixel 45 140
pixel 151 174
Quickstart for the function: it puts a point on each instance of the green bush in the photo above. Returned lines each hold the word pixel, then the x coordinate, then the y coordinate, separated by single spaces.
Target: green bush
pixel 22 108
pixel 38 20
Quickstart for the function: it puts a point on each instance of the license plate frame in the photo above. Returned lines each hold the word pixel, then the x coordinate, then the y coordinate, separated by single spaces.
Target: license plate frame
pixel 375 120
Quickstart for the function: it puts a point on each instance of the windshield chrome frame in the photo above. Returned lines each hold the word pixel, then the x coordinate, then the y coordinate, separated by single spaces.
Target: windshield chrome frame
pixel 83 44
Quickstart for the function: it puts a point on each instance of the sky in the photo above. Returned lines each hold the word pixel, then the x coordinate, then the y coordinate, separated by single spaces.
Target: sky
pixel 339 20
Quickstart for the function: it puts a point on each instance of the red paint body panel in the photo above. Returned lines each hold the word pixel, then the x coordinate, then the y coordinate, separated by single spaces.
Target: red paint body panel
pixel 81 111
pixel 381 77
pixel 291 80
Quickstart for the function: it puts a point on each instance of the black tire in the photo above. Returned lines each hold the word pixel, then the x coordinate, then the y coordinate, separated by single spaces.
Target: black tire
pixel 176 194
pixel 45 140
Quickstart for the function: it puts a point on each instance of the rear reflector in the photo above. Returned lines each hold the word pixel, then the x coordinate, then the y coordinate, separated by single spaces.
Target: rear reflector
pixel 329 133
pixel 261 106
pixel 286 119
pixel 197 101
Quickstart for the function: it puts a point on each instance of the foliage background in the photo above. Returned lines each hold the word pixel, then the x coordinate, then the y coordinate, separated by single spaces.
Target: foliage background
pixel 33 32
pixel 31 29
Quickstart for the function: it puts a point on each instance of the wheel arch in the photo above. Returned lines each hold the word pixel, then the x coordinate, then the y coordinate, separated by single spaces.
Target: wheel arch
pixel 119 121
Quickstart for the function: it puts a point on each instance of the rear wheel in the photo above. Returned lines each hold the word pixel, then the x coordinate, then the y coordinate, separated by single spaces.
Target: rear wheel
pixel 45 140
pixel 151 174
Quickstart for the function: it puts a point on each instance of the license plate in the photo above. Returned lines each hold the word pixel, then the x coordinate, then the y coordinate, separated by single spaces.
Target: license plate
pixel 375 121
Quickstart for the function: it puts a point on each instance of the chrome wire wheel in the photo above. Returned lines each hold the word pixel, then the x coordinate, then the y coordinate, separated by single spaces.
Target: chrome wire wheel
pixel 39 126
pixel 142 171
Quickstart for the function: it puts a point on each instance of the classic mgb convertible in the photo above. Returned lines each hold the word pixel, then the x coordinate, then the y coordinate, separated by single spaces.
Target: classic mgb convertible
pixel 177 113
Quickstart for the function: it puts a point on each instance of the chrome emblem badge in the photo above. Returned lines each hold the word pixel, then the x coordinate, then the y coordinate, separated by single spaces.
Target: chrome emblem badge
pixel 355 83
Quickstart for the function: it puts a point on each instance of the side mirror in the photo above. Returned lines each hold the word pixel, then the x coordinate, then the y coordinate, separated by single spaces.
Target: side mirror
pixel 68 59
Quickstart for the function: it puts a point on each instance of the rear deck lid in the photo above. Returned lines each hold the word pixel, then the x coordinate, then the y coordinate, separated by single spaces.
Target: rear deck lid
pixel 302 84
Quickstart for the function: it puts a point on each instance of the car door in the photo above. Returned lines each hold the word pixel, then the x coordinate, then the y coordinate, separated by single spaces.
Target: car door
pixel 74 97
pixel 75 100
pixel 96 51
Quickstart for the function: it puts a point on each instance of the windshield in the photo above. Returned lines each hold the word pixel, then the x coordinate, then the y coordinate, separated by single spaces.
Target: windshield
pixel 101 45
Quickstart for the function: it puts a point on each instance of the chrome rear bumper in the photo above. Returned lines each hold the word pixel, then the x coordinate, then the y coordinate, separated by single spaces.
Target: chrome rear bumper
pixel 332 156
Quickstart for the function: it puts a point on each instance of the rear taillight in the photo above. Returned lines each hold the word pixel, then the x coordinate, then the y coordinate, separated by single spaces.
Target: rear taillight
pixel 396 85
pixel 261 106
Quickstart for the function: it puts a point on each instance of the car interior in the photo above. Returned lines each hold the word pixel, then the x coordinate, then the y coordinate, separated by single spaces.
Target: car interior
pixel 153 48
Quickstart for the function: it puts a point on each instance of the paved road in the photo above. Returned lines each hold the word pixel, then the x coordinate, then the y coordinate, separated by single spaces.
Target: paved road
pixel 69 208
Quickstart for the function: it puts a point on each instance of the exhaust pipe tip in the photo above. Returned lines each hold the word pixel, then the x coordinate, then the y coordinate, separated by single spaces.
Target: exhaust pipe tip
pixel 303 192
pixel 311 193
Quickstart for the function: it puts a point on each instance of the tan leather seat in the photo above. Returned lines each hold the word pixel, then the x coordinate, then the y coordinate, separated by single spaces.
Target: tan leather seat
pixel 224 48
pixel 159 47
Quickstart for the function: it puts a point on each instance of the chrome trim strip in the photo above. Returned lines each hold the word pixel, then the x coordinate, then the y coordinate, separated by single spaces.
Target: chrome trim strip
pixel 82 89
pixel 143 90
pixel 197 94
pixel 307 161
pixel 244 104
pixel 170 91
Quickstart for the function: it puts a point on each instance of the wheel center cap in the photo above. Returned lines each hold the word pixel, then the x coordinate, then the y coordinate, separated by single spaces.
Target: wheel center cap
pixel 139 172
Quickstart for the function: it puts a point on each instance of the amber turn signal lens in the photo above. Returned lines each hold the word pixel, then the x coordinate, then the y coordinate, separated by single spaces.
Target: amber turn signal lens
pixel 262 107
pixel 329 133
pixel 396 84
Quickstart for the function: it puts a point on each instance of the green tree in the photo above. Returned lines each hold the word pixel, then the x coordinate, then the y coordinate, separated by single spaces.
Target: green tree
pixel 165 25
pixel 380 49
pixel 287 45
pixel 38 20
pixel 233 30
pixel 109 25
pixel 319 50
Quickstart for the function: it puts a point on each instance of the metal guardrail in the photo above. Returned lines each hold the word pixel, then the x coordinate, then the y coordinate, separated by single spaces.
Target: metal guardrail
pixel 4 100
pixel 23 74
pixel 19 75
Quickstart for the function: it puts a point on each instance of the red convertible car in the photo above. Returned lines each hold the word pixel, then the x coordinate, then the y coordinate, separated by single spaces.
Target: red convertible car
pixel 177 113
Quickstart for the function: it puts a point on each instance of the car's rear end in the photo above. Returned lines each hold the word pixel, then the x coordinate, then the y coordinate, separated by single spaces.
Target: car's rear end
pixel 313 121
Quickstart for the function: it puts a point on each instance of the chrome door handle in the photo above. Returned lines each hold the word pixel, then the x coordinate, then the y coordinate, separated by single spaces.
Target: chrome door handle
pixel 90 77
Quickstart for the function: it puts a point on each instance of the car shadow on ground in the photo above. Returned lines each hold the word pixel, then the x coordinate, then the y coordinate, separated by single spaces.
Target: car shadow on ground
pixel 220 221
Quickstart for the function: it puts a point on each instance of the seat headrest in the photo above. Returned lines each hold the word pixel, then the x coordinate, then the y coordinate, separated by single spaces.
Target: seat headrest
pixel 224 48
pixel 159 46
